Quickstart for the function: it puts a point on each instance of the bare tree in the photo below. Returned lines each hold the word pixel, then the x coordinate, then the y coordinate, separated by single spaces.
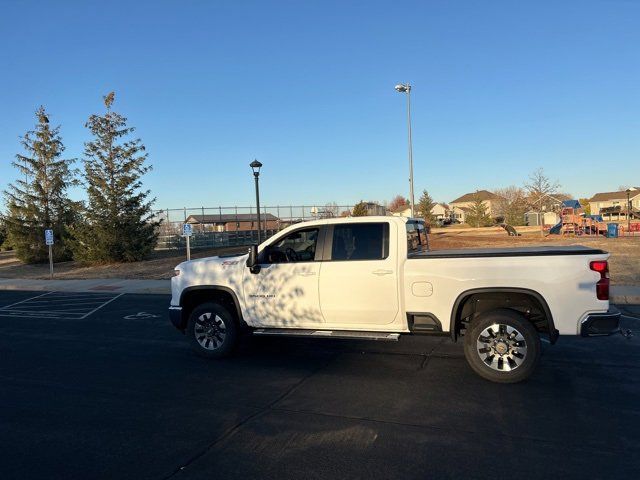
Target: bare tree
pixel 512 205
pixel 330 210
pixel 542 194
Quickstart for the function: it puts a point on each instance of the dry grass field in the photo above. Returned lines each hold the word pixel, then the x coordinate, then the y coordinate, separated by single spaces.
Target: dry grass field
pixel 625 252
pixel 624 262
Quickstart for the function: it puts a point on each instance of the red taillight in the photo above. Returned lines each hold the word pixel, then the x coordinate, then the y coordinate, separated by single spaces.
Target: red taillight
pixel 600 266
pixel 602 287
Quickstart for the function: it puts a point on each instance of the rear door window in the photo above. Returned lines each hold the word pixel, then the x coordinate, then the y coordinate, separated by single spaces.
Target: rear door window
pixel 360 241
pixel 416 237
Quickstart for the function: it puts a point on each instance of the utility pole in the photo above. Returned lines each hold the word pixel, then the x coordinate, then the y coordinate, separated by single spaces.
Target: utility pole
pixel 406 88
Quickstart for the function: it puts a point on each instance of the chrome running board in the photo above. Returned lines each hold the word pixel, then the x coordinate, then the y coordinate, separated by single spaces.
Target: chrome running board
pixel 343 334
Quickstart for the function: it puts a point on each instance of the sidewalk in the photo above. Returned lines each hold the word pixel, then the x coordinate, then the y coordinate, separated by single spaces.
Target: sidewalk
pixel 620 294
pixel 93 285
pixel 625 294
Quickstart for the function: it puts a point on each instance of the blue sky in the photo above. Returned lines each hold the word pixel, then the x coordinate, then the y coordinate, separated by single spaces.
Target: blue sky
pixel 500 88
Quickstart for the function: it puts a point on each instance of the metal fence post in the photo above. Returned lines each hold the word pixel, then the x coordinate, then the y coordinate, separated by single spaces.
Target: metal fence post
pixel 170 232
pixel 264 222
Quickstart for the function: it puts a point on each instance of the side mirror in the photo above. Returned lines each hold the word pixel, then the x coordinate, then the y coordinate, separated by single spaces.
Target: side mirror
pixel 252 260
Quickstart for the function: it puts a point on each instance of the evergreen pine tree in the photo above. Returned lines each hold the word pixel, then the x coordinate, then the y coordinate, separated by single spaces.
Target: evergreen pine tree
pixel 359 210
pixel 425 205
pixel 118 223
pixel 3 233
pixel 37 199
pixel 477 215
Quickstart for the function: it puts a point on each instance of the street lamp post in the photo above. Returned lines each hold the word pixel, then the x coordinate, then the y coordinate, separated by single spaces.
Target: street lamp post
pixel 628 211
pixel 255 166
pixel 406 88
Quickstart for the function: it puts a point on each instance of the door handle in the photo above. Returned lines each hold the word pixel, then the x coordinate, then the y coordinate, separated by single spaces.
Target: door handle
pixel 306 274
pixel 382 272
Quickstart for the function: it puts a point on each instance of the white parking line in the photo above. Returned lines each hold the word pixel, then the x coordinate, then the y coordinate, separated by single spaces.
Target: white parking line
pixel 69 302
pixel 59 305
pixel 98 308
pixel 23 301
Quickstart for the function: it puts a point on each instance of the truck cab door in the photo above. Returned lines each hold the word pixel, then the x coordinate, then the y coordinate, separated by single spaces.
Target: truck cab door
pixel 359 276
pixel 284 292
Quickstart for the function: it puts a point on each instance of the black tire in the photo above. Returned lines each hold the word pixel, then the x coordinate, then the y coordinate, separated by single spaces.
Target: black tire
pixel 212 330
pixel 495 353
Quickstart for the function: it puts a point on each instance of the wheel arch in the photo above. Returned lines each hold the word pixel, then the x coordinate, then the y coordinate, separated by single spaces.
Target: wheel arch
pixel 195 295
pixel 506 294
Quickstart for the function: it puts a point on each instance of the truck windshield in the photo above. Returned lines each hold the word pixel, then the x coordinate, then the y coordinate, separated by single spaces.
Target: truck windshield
pixel 416 237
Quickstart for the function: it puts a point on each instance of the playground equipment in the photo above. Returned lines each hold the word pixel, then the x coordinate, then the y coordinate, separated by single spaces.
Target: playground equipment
pixel 633 229
pixel 573 221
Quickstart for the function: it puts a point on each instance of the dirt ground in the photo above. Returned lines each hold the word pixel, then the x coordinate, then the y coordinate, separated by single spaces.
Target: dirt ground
pixel 624 261
pixel 159 266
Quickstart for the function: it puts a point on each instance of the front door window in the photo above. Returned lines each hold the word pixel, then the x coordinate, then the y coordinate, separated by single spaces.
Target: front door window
pixel 298 246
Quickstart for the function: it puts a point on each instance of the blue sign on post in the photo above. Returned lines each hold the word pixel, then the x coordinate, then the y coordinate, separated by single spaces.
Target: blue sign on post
pixel 612 230
pixel 48 237
pixel 187 230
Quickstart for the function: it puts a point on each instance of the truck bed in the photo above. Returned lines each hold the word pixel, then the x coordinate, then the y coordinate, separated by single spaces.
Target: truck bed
pixel 509 252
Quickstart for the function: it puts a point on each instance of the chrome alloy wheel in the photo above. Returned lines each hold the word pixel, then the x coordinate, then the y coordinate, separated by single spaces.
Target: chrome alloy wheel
pixel 501 347
pixel 210 332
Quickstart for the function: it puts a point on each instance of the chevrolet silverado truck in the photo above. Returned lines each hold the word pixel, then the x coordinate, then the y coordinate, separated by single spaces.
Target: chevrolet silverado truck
pixel 375 278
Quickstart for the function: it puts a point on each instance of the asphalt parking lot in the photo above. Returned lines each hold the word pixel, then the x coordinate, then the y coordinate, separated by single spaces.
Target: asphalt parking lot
pixel 101 386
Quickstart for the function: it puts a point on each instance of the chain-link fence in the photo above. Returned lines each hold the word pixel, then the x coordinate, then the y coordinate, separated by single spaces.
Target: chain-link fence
pixel 238 226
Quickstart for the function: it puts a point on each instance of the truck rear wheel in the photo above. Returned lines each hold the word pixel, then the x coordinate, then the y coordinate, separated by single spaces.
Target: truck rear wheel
pixel 502 346
pixel 212 330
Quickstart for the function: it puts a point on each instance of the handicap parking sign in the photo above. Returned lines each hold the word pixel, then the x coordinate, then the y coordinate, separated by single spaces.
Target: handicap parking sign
pixel 48 237
pixel 187 229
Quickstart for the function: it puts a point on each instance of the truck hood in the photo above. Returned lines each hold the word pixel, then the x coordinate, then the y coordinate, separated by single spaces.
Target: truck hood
pixel 204 265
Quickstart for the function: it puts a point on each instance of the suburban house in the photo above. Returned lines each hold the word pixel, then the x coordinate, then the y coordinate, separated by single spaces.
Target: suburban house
pixel 612 206
pixel 440 211
pixel 232 222
pixel 402 211
pixel 461 205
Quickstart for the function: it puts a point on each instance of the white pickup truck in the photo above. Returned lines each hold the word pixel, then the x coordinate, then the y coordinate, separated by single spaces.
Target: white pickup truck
pixel 374 278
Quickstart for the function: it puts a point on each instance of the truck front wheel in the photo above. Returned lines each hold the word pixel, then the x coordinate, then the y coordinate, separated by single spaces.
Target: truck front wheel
pixel 502 346
pixel 212 330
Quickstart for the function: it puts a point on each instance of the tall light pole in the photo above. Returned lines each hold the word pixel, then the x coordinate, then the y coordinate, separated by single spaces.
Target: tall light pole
pixel 255 166
pixel 406 88
pixel 628 211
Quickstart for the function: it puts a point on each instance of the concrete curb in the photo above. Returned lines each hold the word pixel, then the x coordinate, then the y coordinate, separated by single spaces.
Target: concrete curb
pixel 93 285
